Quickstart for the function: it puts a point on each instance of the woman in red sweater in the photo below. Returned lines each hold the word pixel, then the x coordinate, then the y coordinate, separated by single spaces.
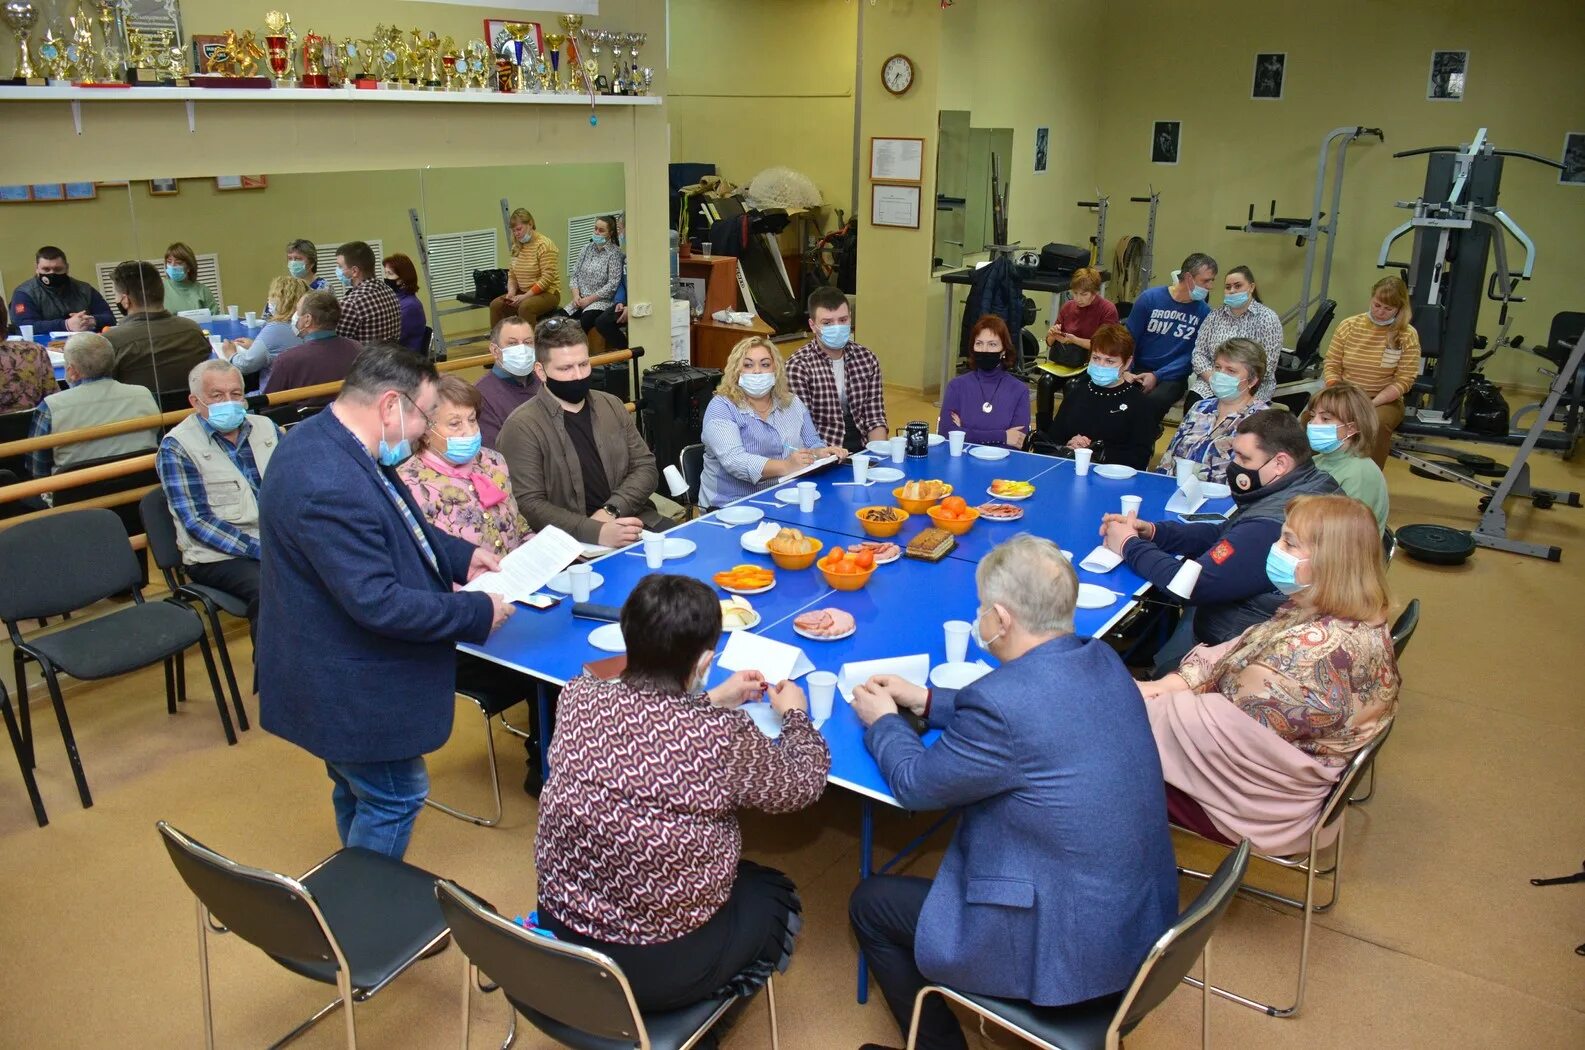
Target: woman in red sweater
pixel 1082 314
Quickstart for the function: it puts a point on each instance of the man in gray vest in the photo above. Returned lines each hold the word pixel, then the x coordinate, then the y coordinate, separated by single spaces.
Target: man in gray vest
pixel 211 465
pixel 92 400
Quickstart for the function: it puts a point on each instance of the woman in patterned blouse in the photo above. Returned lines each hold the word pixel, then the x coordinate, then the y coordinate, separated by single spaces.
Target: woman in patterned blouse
pixel 1206 434
pixel 1242 316
pixel 638 850
pixel 26 375
pixel 1253 733
pixel 593 279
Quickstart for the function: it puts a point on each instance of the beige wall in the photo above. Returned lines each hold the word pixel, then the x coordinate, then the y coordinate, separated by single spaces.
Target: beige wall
pixel 138 140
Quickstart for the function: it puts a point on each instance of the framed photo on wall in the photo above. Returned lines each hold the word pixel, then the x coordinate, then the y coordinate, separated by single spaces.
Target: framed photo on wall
pixel 15 194
pixel 1271 69
pixel 1166 137
pixel 81 191
pixel 164 187
pixel 1042 149
pixel 49 191
pixel 1448 70
pixel 897 159
pixel 1573 173
pixel 241 182
pixel 896 206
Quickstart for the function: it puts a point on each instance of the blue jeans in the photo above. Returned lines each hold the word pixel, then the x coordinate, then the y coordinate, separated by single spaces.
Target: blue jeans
pixel 377 802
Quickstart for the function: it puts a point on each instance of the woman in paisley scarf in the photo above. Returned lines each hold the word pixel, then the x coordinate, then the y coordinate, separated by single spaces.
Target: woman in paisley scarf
pixel 1254 733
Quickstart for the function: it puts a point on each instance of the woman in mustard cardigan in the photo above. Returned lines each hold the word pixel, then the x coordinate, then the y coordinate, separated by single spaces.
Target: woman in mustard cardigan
pixel 533 281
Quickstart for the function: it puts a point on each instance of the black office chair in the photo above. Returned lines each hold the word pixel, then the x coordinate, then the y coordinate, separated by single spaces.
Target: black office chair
pixel 1389 545
pixel 160 531
pixel 1306 354
pixel 1101 1023
pixel 575 995
pixel 65 562
pixel 15 426
pixel 357 920
pixel 1333 811
pixel 138 481
pixel 691 462
pixel 1403 629
pixel 174 400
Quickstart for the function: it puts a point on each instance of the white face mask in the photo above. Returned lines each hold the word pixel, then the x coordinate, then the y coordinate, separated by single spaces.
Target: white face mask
pixel 701 674
pixel 979 638
pixel 518 360
pixel 757 384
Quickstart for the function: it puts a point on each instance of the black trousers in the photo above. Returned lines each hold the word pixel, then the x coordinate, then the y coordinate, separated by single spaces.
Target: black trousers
pixel 1166 394
pixel 884 912
pixel 239 576
pixel 736 950
pixel 588 318
pixel 614 331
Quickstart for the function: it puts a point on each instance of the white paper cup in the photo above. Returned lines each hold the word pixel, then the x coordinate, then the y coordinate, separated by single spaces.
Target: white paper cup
pixel 27 332
pixel 955 442
pixel 1183 581
pixel 579 576
pixel 1191 488
pixel 899 448
pixel 1131 506
pixel 957 632
pixel 252 318
pixel 234 311
pixel 655 552
pixel 806 496
pixel 822 694
pixel 704 247
pixel 1184 469
pixel 861 468
pixel 1081 461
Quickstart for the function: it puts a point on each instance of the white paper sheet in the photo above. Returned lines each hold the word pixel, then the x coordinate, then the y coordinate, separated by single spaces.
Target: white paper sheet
pixel 531 566
pixel 1101 560
pixel 1182 503
pixel 915 669
pixel 777 661
pixel 764 717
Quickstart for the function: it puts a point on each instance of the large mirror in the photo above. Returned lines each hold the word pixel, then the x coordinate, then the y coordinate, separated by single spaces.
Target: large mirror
pixel 963 186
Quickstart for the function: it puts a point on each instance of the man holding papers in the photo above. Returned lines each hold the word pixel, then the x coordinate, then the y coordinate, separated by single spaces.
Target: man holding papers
pixel 360 609
pixel 1060 875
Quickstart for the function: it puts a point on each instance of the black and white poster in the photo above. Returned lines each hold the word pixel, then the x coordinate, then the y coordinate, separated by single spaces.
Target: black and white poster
pixel 1165 138
pixel 1270 68
pixel 1448 69
pixel 1573 173
pixel 1042 148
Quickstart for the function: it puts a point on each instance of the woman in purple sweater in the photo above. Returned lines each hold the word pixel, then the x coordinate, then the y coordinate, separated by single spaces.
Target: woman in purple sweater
pixel 989 405
pixel 402 278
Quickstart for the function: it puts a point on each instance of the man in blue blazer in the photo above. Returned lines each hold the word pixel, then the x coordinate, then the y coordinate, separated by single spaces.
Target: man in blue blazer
pixel 1061 873
pixel 358 616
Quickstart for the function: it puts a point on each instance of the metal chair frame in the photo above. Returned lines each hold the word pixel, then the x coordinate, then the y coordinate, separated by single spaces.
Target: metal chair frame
pixel 495 769
pixel 1402 630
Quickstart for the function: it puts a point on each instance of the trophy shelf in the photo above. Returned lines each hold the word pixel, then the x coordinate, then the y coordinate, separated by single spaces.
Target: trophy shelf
pixel 63 93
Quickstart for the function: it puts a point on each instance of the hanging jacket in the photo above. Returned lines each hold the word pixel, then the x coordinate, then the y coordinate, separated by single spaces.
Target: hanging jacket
pixel 995 291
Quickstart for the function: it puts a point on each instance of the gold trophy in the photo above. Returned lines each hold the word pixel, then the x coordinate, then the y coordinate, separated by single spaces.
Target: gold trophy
pixel 112 51
pixel 276 46
pixel 85 63
pixel 21 16
pixel 432 63
pixel 314 75
pixel 554 41
pixel 448 65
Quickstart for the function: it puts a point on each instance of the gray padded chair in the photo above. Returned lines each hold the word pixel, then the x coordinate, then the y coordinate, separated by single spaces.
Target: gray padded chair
pixel 160 531
pixel 575 995
pixel 357 920
pixel 1101 1023
pixel 66 562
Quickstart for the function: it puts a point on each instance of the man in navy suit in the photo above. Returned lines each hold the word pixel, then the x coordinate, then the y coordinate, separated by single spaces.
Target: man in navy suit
pixel 1060 876
pixel 359 616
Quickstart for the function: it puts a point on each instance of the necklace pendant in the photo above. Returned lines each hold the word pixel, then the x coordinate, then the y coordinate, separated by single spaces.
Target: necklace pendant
pixel 986 408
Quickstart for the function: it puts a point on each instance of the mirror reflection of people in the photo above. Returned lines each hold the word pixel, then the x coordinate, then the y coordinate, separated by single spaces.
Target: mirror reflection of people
pixel 255 357
pixel 533 281
pixel 1102 411
pixel 26 375
pixel 183 290
pixel 401 277
pixel 90 399
pixel 55 301
pixel 594 278
pixel 1254 733
pixel 1205 436
pixel 755 429
pixel 369 310
pixel 1165 322
pixel 1341 425
pixel 1085 310
pixel 838 380
pixel 154 347
pixel 1379 352
pixel 988 403
pixel 510 382
pixel 1241 316
pixel 322 354
pixel 302 262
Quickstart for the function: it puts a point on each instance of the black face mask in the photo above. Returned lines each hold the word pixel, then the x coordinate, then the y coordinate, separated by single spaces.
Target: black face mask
pixel 1243 481
pixel 49 280
pixel 987 362
pixel 570 391
pixel 394 285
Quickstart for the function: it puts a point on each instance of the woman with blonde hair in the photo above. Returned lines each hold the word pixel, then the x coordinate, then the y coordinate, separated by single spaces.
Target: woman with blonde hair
pixel 1341 426
pixel 533 281
pixel 182 288
pixel 755 429
pixel 1379 352
pixel 1253 733
pixel 254 357
pixel 1205 436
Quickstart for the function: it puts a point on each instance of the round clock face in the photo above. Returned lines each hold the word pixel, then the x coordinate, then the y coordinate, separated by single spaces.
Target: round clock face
pixel 898 74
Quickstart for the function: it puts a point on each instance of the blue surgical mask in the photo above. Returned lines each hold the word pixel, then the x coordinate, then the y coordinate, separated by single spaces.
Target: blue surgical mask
pixel 1235 300
pixel 1383 324
pixel 297 267
pixel 835 336
pixel 597 239
pixel 1103 375
pixel 341 275
pixel 391 455
pixel 525 236
pixel 1224 386
pixel 1199 294
pixel 1282 569
pixel 460 450
pixel 757 384
pixel 227 415
pixel 1323 437
pixel 176 273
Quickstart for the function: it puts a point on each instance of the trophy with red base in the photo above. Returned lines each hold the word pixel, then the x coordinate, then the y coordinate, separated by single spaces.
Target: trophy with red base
pixel 314 75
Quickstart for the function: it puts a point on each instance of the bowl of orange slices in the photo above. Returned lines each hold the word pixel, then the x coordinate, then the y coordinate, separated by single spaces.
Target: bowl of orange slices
pixel 847 570
pixel 955 515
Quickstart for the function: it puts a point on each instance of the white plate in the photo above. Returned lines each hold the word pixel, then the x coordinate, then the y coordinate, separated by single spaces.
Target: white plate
pixel 747 593
pixel 562 584
pixel 791 495
pixel 986 517
pixel 989 453
pixel 752 545
pixel 1211 490
pixel 937 439
pixel 677 548
pixel 1092 596
pixel 894 557
pixel 885 474
pixel 754 620
pixel 1115 471
pixel 1003 497
pixel 826 637
pixel 958 675
pixel 740 515
pixel 608 637
pixel 880 448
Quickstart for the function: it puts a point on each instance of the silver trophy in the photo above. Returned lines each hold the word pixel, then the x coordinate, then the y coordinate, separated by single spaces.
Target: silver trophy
pixel 21 16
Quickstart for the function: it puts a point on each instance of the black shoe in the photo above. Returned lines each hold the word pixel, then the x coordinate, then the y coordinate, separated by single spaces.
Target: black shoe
pixel 877 1046
pixel 534 780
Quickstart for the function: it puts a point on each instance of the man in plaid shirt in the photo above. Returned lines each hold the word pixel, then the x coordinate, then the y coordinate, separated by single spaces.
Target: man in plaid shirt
pixel 838 380
pixel 369 310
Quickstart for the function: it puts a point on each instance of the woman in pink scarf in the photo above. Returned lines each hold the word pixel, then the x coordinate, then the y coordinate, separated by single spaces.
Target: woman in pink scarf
pixel 1254 733
pixel 463 488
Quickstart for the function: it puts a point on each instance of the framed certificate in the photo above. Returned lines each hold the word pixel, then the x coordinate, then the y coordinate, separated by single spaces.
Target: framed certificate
pixel 896 206
pixel 897 159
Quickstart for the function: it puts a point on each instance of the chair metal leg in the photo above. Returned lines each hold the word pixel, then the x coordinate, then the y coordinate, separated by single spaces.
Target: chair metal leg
pixel 770 1006
pixel 23 714
pixel 225 664
pixel 214 684
pixel 344 982
pixel 66 733
pixel 1205 997
pixel 495 782
pixel 913 1024
pixel 180 662
pixel 511 1032
pixel 28 779
pixel 469 975
pixel 203 975
pixel 324 1012
pixel 170 685
pixel 1370 787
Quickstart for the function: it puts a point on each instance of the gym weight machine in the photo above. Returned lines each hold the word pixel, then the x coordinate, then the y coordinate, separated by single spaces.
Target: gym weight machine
pixel 1133 278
